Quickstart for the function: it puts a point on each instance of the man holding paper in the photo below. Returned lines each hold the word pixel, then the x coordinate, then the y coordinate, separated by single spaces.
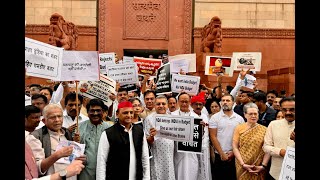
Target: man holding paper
pixel 52 134
pixel 197 104
pixel 161 164
pixel 186 164
pixel 277 137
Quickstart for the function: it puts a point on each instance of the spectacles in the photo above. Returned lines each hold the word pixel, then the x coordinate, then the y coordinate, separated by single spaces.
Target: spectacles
pixel 92 111
pixel 136 105
pixel 288 109
pixel 197 104
pixel 252 114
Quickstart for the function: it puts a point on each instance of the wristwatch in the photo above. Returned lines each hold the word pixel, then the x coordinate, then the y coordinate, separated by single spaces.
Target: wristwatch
pixel 63 174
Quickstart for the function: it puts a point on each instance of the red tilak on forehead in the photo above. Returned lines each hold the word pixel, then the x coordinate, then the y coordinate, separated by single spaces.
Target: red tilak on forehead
pixel 124 104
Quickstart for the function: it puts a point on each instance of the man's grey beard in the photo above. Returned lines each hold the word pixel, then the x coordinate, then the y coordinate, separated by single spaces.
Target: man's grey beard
pixel 226 108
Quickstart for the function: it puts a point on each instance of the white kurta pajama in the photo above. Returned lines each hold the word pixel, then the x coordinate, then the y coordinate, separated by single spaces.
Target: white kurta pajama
pixel 162 149
pixel 186 164
pixel 204 164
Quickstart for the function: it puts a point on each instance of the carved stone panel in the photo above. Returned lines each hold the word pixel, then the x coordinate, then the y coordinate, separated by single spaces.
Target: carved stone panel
pixel 146 19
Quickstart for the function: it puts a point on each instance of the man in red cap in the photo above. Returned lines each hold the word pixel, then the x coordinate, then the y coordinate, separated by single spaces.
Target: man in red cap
pixel 123 150
pixel 197 104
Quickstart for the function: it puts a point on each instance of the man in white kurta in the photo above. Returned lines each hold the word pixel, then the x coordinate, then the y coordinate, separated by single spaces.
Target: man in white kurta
pixel 186 164
pixel 197 103
pixel 277 137
pixel 125 115
pixel 162 149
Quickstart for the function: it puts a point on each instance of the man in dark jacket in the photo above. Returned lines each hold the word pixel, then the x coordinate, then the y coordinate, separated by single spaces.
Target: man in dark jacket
pixel 123 150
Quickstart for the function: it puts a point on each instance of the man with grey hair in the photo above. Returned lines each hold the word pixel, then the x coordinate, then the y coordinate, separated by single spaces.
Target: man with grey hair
pixel 52 134
pixel 162 149
pixel 186 164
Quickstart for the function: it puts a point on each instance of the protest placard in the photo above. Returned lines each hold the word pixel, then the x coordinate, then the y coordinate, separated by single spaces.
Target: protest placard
pixel 246 60
pixel 123 73
pixel 163 80
pixel 189 57
pixel 78 150
pixel 177 128
pixel 288 170
pixel 248 81
pixel 147 65
pixel 43 60
pixel 98 89
pixel 176 65
pixel 196 145
pixel 80 66
pixel 106 59
pixel 130 87
pixel 218 65
pixel 186 83
pixel 127 59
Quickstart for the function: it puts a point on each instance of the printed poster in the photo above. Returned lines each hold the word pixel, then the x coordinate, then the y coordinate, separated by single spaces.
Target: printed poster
pixel 188 57
pixel 177 128
pixel 186 83
pixel 78 150
pixel 123 73
pixel 80 66
pixel 246 60
pixel 147 65
pixel 105 60
pixel 98 89
pixel 288 169
pixel 43 60
pixel 163 80
pixel 218 65
pixel 196 145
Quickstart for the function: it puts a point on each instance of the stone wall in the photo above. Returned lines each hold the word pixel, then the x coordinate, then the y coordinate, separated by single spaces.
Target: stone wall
pixel 79 12
pixel 246 13
pixel 233 13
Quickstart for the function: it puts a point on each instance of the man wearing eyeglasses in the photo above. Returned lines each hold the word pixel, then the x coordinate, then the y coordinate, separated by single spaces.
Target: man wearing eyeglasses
pixel 277 137
pixel 186 164
pixel 161 164
pixel 90 132
pixel 50 136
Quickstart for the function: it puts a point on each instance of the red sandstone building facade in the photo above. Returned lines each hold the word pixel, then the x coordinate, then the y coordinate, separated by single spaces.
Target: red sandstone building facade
pixel 129 26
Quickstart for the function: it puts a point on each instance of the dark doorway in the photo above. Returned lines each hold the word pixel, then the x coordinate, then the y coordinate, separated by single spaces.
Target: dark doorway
pixel 145 52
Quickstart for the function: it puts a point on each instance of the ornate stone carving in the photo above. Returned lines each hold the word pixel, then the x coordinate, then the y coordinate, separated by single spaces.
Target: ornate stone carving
pixel 102 25
pixel 41 29
pixel 261 33
pixel 187 29
pixel 62 33
pixel 211 36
